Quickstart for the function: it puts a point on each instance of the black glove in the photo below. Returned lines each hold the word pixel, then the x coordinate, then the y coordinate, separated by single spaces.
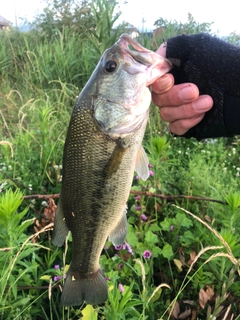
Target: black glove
pixel 214 66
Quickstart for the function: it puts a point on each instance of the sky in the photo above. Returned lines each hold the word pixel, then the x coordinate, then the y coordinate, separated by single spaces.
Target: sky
pixel 224 14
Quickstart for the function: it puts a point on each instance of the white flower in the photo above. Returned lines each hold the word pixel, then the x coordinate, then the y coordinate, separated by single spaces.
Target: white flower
pixel 44 204
pixel 2 186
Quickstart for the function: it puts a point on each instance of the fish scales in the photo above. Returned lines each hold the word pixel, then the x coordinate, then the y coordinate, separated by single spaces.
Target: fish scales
pixel 91 196
pixel 100 154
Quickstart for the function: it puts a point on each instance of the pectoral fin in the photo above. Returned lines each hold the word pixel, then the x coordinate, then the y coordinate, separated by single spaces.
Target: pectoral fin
pixel 60 227
pixel 119 233
pixel 141 166
pixel 115 160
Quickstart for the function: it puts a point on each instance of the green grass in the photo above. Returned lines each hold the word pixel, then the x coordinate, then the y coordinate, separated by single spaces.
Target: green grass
pixel 194 244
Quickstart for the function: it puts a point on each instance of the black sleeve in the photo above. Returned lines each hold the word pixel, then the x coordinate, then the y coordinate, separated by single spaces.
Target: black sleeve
pixel 214 66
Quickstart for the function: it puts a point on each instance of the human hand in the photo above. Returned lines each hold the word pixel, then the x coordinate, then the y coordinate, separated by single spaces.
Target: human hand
pixel 180 105
pixel 201 96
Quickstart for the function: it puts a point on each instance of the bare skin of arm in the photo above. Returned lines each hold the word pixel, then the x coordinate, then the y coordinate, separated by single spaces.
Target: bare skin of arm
pixel 180 105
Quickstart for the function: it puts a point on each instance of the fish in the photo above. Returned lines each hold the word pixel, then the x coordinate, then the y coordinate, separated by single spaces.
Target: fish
pixel 103 148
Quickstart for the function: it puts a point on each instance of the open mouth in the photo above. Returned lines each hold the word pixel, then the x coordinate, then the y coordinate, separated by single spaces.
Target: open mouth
pixel 140 54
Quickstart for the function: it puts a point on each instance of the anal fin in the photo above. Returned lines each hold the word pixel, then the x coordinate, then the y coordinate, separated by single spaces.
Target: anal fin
pixel 60 227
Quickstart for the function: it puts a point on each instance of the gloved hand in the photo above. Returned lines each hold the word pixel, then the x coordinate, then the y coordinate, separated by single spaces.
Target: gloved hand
pixel 214 66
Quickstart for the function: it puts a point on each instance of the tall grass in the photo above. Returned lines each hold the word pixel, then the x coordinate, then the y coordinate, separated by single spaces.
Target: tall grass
pixel 32 65
pixel 40 80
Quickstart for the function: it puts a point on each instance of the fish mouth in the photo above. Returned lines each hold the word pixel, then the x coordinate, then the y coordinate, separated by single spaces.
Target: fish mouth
pixel 140 54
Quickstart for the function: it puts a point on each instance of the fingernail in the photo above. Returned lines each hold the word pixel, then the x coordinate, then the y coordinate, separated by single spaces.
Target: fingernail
pixel 202 104
pixel 187 94
pixel 166 81
pixel 162 84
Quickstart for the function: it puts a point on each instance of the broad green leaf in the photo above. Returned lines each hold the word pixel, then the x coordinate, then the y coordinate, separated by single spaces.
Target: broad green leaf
pixel 156 251
pixel 166 223
pixel 89 313
pixel 183 220
pixel 188 238
pixel 139 270
pixel 167 251
pixel 152 190
pixel 131 236
pixel 154 227
pixel 150 237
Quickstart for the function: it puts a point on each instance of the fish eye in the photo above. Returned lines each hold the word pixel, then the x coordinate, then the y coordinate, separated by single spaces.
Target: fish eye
pixel 110 66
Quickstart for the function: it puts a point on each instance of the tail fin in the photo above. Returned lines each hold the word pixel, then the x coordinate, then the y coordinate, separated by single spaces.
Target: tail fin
pixel 91 288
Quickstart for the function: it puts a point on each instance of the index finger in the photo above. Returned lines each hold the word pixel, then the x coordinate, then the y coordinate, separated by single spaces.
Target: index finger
pixel 177 95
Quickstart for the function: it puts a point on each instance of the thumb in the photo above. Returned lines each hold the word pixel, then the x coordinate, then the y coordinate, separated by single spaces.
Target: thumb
pixel 162 49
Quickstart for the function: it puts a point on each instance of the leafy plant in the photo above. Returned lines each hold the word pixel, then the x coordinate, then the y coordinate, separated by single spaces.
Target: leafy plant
pixel 181 258
pixel 103 36
pixel 17 254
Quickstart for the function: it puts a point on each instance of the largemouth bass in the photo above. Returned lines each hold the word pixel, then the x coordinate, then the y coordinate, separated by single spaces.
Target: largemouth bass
pixel 101 152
